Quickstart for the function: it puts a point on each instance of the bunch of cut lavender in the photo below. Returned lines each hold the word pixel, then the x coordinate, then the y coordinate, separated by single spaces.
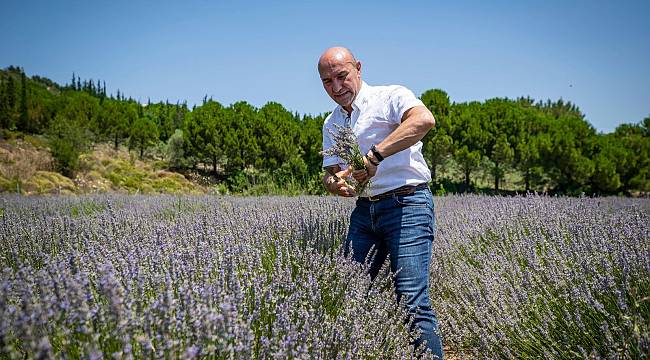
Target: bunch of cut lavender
pixel 346 147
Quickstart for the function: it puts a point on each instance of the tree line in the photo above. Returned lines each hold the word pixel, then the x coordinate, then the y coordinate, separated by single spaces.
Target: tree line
pixel 549 144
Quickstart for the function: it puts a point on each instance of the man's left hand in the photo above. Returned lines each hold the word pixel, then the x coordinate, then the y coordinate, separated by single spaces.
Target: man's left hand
pixel 362 176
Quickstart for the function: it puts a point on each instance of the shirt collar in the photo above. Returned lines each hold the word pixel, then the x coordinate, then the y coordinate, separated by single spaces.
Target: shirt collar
pixel 360 101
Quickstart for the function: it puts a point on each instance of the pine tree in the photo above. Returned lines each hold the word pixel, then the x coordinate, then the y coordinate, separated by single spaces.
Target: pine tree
pixel 4 111
pixel 23 123
pixel 11 93
pixel 143 134
pixel 8 103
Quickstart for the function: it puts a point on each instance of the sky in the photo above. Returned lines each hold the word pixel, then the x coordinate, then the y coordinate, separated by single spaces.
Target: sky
pixel 593 53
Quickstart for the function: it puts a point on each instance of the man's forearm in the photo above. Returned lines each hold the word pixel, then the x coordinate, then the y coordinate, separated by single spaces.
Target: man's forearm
pixel 415 125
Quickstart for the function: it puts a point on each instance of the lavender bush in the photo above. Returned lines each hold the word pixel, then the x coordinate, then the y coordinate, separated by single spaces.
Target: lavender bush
pixel 186 277
pixel 538 277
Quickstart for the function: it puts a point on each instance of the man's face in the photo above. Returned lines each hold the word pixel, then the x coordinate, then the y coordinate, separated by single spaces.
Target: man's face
pixel 341 79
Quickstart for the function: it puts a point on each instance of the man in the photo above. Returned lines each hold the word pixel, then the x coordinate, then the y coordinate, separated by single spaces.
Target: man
pixel 395 216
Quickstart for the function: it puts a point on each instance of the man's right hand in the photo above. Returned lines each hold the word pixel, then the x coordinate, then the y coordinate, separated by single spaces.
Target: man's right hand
pixel 337 184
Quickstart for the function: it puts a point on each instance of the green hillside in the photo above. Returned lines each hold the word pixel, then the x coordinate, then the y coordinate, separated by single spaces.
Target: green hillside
pixel 499 145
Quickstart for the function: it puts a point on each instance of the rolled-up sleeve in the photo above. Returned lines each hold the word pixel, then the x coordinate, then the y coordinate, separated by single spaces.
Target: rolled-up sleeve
pixel 401 100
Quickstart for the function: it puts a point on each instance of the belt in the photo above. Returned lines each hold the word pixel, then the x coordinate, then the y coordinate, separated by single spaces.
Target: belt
pixel 404 190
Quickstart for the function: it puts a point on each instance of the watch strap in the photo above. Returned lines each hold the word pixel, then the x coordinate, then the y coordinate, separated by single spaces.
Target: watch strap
pixel 375 152
pixel 371 161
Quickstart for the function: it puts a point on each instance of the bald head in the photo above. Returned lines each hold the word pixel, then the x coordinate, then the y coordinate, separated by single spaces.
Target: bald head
pixel 336 55
pixel 340 73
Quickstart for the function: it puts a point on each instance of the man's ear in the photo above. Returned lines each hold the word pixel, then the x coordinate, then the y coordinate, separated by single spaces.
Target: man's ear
pixel 359 66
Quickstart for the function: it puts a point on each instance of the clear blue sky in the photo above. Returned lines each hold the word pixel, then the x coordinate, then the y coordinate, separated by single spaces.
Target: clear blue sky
pixel 595 54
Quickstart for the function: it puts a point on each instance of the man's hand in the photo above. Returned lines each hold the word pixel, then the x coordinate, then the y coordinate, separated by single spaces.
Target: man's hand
pixel 362 176
pixel 337 185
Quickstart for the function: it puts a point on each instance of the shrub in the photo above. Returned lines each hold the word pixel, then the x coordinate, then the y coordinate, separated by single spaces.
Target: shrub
pixel 68 140
pixel 175 150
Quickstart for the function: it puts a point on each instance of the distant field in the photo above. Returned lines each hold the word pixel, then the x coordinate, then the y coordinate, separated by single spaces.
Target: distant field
pixel 264 277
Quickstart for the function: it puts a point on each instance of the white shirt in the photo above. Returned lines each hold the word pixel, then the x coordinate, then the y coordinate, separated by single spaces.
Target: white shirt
pixel 376 112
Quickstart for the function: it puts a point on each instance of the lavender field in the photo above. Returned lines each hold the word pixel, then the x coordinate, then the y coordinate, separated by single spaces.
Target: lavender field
pixel 238 278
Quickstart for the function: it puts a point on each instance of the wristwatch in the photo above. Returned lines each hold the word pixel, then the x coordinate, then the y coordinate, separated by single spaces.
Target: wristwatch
pixel 376 153
pixel 376 163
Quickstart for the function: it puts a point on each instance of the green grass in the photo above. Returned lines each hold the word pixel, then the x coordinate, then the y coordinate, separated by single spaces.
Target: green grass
pixel 7 184
pixel 86 208
pixel 46 182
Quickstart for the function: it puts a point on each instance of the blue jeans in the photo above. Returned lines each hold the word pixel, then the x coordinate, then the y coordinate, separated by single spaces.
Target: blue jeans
pixel 402 227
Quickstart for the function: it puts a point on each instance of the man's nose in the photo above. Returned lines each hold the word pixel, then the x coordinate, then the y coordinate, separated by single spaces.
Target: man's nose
pixel 336 86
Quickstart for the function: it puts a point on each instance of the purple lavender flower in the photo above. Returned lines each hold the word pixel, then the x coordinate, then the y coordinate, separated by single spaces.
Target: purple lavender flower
pixel 346 147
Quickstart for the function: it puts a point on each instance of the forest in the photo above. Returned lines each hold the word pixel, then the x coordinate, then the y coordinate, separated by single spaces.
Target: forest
pixel 545 145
